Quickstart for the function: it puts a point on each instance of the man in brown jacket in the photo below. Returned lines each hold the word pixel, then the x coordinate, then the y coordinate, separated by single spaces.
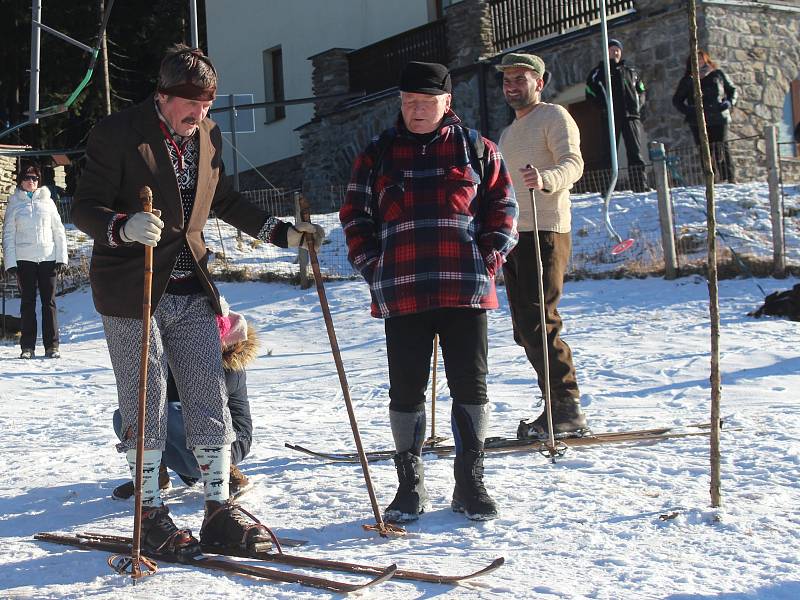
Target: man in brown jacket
pixel 542 150
pixel 167 144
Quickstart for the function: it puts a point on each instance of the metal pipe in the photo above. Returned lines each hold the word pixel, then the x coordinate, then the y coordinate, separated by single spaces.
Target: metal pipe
pixel 292 102
pixel 36 36
pixel 232 118
pixel 193 23
pixel 611 127
pixel 63 36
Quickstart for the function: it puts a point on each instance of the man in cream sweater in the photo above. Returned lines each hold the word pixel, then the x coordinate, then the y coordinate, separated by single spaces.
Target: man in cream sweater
pixel 541 148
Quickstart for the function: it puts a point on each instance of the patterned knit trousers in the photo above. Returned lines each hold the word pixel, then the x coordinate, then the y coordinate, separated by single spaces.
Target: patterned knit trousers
pixel 183 334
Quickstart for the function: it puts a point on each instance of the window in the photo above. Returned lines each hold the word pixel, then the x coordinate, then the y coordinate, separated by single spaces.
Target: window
pixel 273 83
pixel 791 117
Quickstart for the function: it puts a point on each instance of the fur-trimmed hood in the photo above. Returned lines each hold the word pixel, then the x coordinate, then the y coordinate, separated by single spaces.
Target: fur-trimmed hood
pixel 239 355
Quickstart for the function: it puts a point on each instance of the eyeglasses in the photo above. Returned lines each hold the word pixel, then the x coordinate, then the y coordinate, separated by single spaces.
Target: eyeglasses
pixel 30 178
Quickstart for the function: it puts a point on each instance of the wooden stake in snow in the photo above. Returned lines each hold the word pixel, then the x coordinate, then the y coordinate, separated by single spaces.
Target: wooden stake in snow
pixel 713 291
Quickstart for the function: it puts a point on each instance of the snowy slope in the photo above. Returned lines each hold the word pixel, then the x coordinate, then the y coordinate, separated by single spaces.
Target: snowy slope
pixel 587 526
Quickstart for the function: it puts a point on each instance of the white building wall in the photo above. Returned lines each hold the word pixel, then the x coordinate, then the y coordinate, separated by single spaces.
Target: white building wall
pixel 240 30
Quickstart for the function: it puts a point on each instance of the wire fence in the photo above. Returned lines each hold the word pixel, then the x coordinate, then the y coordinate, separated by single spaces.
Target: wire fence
pixel 742 212
pixel 789 176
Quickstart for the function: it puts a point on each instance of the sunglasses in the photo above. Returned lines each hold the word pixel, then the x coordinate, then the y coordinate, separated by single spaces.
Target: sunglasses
pixel 30 178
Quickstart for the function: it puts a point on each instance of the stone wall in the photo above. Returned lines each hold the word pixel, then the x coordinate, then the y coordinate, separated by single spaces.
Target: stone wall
pixel 757 47
pixel 656 40
pixel 8 171
pixel 331 144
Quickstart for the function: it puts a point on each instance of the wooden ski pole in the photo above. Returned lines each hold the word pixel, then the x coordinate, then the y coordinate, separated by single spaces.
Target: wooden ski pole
pixel 434 439
pixel 548 403
pixel 384 529
pixel 433 388
pixel 136 560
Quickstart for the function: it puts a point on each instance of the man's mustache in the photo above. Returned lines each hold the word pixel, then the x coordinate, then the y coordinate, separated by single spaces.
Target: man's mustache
pixel 190 121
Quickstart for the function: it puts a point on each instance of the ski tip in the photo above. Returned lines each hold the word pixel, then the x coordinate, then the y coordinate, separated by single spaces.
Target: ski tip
pixel 387 574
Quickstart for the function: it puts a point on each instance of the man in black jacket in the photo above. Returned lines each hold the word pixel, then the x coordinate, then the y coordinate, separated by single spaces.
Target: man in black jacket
pixel 628 95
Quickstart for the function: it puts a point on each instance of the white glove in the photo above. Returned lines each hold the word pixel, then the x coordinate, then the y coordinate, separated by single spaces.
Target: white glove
pixel 295 234
pixel 143 227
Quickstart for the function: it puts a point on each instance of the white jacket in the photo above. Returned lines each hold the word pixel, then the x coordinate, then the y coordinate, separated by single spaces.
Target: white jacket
pixel 32 229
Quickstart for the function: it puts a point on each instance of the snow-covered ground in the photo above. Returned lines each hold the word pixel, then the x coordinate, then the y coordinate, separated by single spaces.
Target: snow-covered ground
pixel 587 526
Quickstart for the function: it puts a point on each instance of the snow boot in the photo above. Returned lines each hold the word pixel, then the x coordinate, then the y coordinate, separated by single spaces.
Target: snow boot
pixel 470 496
pixel 411 499
pixel 161 536
pixel 239 483
pixel 568 417
pixel 127 489
pixel 27 353
pixel 52 352
pixel 228 525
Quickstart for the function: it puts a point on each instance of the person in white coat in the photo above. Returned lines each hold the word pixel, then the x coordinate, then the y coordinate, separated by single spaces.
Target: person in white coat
pixel 34 250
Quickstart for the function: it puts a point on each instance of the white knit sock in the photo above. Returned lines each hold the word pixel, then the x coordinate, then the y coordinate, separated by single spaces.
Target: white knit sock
pixel 215 468
pixel 151 495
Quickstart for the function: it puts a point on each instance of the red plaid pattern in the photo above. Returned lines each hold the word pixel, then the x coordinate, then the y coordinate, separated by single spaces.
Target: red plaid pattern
pixel 423 238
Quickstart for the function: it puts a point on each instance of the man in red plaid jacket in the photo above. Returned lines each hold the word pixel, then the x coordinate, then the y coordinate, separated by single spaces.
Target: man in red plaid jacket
pixel 428 227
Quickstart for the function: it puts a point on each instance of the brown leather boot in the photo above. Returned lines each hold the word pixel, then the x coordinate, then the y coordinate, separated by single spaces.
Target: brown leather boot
pixel 228 525
pixel 161 536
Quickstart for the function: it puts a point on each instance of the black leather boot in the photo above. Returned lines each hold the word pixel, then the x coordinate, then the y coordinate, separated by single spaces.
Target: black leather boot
pixel 470 496
pixel 411 499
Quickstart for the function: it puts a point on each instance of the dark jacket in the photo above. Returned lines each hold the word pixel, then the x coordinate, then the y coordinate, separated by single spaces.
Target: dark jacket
pixel 628 90
pixel 719 96
pixel 125 152
pixel 422 236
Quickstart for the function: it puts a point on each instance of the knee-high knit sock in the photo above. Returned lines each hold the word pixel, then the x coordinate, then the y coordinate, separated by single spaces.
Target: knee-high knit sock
pixel 151 459
pixel 215 469
pixel 470 423
pixel 408 430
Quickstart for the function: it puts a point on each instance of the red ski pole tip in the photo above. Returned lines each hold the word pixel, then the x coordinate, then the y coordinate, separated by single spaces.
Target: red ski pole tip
pixel 622 246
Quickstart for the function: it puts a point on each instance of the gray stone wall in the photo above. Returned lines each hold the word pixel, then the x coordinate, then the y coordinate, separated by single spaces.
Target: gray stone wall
pixel 469 32
pixel 331 144
pixel 331 75
pixel 8 168
pixel 756 46
pixel 759 49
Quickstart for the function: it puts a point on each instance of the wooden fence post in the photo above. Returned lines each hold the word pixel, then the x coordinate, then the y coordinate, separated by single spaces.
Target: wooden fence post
pixel 658 156
pixel 302 253
pixel 775 204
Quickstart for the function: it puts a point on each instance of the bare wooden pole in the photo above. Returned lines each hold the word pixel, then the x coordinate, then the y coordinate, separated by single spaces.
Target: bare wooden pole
pixel 146 196
pixel 432 440
pixel 104 53
pixel 384 529
pixel 713 287
pixel 548 403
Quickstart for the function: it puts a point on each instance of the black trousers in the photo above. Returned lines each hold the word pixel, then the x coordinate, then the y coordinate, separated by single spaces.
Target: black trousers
pixel 632 132
pixel 720 151
pixel 522 287
pixel 30 277
pixel 465 348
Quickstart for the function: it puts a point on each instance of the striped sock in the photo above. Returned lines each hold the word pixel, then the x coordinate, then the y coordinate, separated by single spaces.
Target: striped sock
pixel 151 495
pixel 215 468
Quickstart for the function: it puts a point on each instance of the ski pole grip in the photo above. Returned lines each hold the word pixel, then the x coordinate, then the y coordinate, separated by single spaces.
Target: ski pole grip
pixel 146 198
pixel 529 166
